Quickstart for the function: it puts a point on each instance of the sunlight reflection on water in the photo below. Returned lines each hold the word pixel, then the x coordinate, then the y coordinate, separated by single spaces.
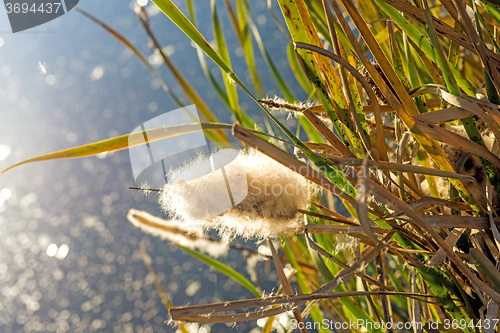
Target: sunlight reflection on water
pixel 4 152
pixel 69 259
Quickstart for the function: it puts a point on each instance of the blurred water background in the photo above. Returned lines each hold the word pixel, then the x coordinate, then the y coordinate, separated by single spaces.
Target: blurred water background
pixel 69 259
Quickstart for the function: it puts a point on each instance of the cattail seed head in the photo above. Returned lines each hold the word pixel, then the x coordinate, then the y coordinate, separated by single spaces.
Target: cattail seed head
pixel 171 231
pixel 278 103
pixel 265 196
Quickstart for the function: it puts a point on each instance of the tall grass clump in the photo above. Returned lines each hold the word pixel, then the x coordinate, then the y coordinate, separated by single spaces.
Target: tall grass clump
pixel 401 134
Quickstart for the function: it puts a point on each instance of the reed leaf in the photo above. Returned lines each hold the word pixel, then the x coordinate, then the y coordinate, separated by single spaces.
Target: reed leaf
pixel 224 269
pixel 121 142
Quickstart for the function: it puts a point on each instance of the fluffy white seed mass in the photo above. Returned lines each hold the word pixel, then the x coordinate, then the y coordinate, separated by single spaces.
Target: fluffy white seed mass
pixel 251 196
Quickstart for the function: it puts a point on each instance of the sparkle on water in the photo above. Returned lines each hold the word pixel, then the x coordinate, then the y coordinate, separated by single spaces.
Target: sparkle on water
pixel 69 259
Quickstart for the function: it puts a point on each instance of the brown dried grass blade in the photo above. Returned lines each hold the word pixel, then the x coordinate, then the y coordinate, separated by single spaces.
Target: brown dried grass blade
pixel 336 229
pixel 288 160
pixel 146 258
pixel 388 198
pixel 355 162
pixel 321 147
pixel 381 145
pixel 362 198
pixel 163 295
pixel 327 134
pixel 205 313
pixel 469 222
pixel 327 255
pixel 355 267
pixel 441 27
pixel 287 288
pixel 383 108
pixel 451 240
pixel 489 213
pixel 335 214
pixel 487 111
pixel 490 65
pixel 443 135
pixel 328 218
pixel 398 96
pixel 346 88
pixel 443 115
pixel 428 203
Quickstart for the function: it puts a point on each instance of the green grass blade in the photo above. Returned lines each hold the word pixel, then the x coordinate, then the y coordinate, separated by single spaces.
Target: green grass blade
pixel 297 69
pixel 176 16
pixel 397 58
pixel 186 87
pixel 287 92
pixel 302 282
pixel 203 63
pixel 241 27
pixel 453 88
pixel 493 10
pixel 224 269
pixel 121 142
pixel 404 107
pixel 357 313
pixel 172 12
pixel 485 265
pixel 445 291
pixel 336 94
pixel 438 54
pixel 423 43
pixel 298 33
pixel 490 86
pixel 224 53
pixel 183 23
pixel 211 78
pixel 191 11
